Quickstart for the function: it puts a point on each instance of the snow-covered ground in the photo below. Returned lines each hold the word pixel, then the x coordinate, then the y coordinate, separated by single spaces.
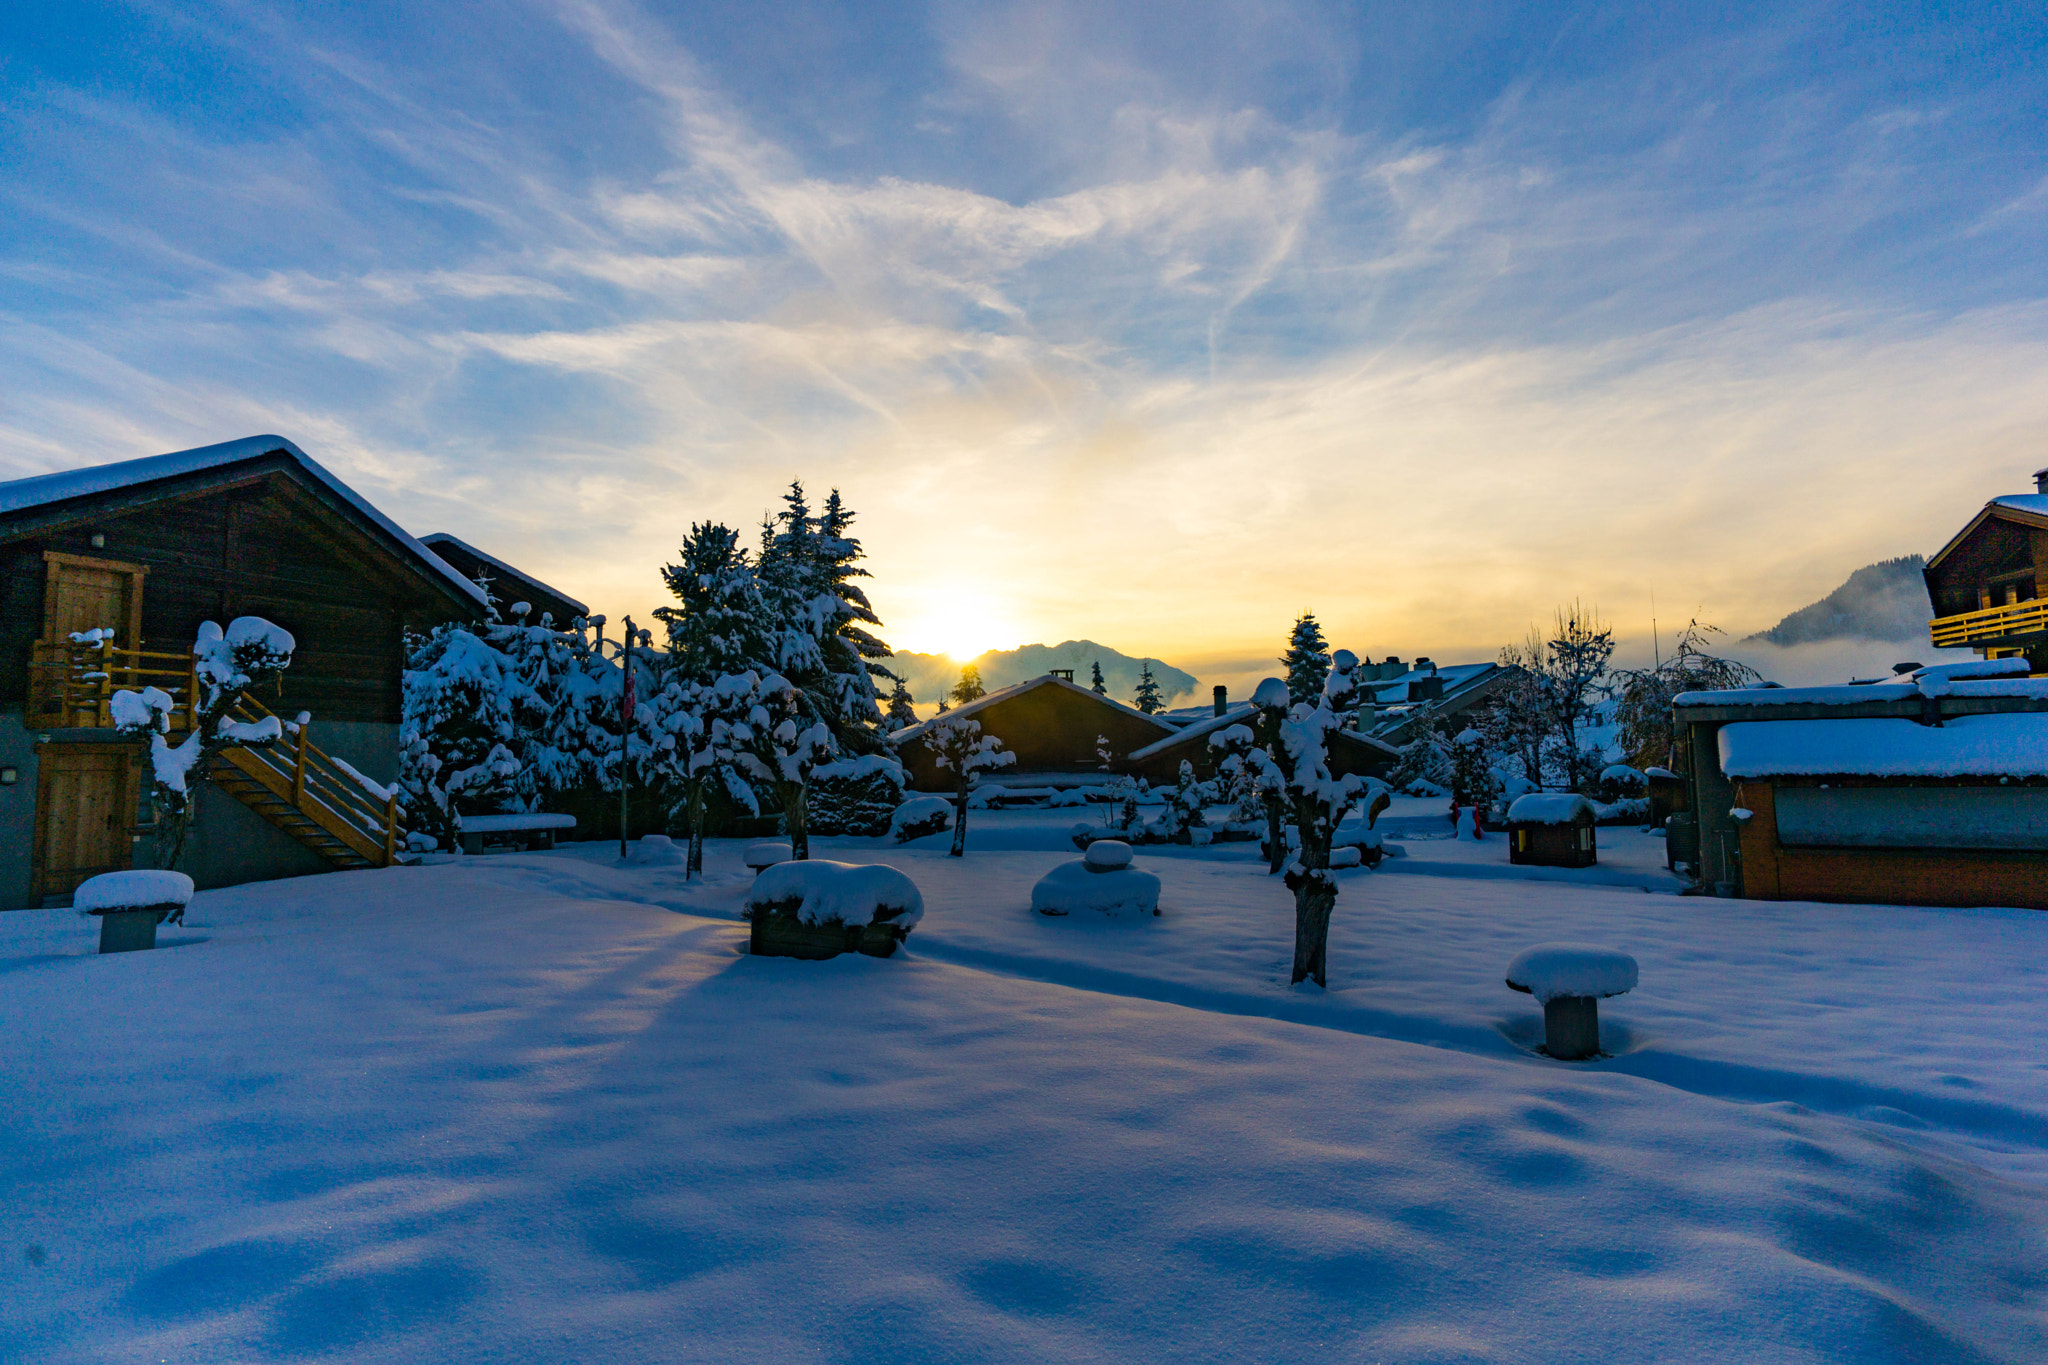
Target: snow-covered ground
pixel 543 1108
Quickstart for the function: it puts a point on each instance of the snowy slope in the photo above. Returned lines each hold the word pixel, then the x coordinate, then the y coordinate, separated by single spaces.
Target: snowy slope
pixel 542 1108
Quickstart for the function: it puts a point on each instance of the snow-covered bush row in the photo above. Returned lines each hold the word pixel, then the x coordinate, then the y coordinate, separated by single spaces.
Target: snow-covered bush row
pixel 919 816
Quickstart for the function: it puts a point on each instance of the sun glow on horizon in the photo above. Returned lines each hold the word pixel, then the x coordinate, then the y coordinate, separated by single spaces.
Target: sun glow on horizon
pixel 961 624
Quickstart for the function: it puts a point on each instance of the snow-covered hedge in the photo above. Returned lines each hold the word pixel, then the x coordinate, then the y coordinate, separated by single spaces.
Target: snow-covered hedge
pixel 856 795
pixel 821 892
pixel 919 816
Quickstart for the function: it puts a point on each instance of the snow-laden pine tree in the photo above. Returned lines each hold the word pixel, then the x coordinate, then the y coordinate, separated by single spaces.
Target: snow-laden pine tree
pixel 902 708
pixel 958 746
pixel 551 729
pixel 458 734
pixel 1307 659
pixel 1424 768
pixel 1473 784
pixel 1147 696
pixel 855 652
pixel 1186 804
pixel 224 664
pixel 969 687
pixel 793 751
pixel 1095 682
pixel 719 631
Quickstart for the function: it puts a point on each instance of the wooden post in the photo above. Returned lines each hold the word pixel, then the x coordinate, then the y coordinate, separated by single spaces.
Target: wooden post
pixel 106 688
pixel 299 768
pixel 192 695
pixel 390 826
pixel 625 731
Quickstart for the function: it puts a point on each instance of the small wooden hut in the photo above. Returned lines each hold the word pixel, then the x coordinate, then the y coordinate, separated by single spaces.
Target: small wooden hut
pixel 1552 829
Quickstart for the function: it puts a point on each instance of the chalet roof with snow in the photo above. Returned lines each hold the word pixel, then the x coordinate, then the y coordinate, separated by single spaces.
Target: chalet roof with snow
pixel 473 563
pixel 2009 745
pixel 46 502
pixel 1015 690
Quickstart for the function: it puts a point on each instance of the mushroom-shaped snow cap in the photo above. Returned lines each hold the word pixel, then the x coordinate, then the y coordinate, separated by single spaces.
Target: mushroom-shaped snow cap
pixel 1107 855
pixel 1270 693
pixel 140 889
pixel 1343 661
pixel 1556 971
pixel 767 854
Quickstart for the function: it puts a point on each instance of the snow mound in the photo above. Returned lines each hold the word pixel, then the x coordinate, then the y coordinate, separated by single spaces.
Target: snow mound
pixel 1348 856
pixel 850 893
pixel 254 630
pixel 1075 886
pixel 919 816
pixel 1107 855
pixel 132 890
pixel 1551 971
pixel 1270 693
pixel 655 850
pixel 1550 808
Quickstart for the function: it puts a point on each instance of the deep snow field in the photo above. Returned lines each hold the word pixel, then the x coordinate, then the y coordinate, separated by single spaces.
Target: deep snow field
pixel 544 1108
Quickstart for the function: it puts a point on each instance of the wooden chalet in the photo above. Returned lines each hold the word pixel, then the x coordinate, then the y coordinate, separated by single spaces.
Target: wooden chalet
pixel 149 549
pixel 1050 723
pixel 1931 790
pixel 508 585
pixel 1989 584
pixel 1159 762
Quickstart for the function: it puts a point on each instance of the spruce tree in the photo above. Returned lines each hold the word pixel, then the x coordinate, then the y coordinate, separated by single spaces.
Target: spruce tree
pixel 902 711
pixel 855 650
pixel 1307 659
pixel 1095 683
pixel 1147 698
pixel 969 687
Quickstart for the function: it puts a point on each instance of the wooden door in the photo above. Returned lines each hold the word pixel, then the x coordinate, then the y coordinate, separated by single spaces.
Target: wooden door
pixel 86 798
pixel 83 594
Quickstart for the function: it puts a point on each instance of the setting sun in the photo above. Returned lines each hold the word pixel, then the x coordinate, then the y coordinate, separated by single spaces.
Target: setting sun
pixel 958 623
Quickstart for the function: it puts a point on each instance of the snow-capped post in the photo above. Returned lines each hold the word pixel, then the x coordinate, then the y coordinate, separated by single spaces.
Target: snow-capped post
pixel 1570 979
pixel 958 743
pixel 626 699
pixel 224 663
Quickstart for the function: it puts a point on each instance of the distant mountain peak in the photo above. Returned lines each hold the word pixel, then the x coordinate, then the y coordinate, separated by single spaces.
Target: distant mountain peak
pixel 1882 601
pixel 929 675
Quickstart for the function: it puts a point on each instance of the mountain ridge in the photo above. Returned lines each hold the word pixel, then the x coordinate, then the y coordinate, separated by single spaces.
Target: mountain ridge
pixel 929 675
pixel 1882 601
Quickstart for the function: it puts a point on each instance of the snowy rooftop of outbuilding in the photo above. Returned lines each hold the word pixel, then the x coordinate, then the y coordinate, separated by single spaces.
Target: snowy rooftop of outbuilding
pixel 2036 503
pixel 42 489
pixel 443 538
pixel 2005 745
pixel 982 703
pixel 1551 808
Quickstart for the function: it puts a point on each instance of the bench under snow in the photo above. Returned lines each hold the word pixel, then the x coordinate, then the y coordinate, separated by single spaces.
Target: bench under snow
pixel 534 829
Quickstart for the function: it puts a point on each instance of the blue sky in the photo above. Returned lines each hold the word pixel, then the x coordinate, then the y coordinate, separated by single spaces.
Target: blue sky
pixel 1149 323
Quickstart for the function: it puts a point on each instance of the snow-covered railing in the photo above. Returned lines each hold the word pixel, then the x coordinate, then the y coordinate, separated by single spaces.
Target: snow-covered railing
pixel 321 787
pixel 71 682
pixel 1992 623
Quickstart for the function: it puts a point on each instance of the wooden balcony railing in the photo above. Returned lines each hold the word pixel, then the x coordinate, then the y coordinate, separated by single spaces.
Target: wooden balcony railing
pixel 1990 625
pixel 72 686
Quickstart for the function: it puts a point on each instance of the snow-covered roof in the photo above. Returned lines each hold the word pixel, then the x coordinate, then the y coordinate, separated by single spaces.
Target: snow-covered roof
pixel 2035 503
pixel 2010 744
pixel 1551 808
pixel 982 703
pixel 1888 690
pixel 42 489
pixel 443 538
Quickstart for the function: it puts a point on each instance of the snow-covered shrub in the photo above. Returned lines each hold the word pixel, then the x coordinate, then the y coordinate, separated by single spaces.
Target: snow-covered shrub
pixel 225 663
pixel 1185 805
pixel 919 816
pixel 957 743
pixel 856 795
pixel 870 907
pixel 1424 768
pixel 1620 782
pixel 1473 783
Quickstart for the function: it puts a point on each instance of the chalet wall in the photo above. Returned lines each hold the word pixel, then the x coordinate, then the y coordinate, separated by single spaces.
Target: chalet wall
pixel 1050 729
pixel 229 844
pixel 248 551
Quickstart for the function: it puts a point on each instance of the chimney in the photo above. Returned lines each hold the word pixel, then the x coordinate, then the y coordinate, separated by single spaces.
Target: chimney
pixel 1222 698
pixel 2041 481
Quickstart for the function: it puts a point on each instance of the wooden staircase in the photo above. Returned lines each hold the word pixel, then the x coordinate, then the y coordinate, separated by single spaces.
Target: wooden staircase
pixel 293 784
pixel 302 790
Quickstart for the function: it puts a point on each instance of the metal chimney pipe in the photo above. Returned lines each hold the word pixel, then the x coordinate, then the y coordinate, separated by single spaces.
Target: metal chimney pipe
pixel 1222 698
pixel 2041 481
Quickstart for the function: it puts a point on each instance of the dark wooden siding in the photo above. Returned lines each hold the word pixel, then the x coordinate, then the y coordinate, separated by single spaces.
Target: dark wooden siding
pixel 267 548
pixel 1051 729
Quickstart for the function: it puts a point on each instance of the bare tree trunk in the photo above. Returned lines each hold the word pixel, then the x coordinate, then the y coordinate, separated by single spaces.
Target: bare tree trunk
pixel 1276 836
pixel 693 865
pixel 796 812
pixel 959 849
pixel 1315 896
